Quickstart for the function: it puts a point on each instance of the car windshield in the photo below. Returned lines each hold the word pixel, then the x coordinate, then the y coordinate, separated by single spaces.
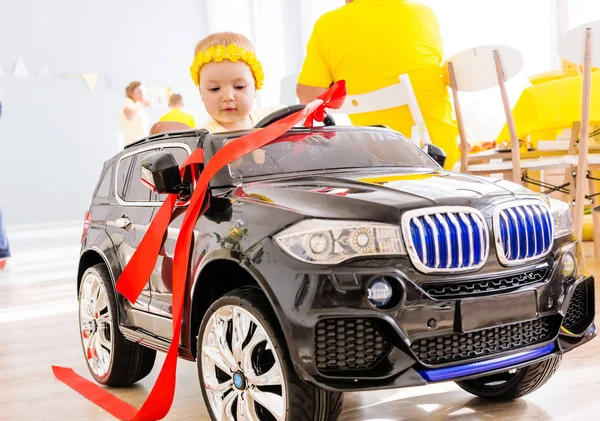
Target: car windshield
pixel 330 150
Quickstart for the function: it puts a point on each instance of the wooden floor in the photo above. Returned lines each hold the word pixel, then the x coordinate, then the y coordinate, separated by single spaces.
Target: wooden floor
pixel 38 328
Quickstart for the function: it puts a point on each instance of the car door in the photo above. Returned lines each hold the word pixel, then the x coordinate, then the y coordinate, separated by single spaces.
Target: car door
pixel 160 281
pixel 128 220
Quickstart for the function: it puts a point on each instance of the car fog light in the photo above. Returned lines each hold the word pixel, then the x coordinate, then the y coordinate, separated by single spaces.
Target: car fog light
pixel 568 265
pixel 379 292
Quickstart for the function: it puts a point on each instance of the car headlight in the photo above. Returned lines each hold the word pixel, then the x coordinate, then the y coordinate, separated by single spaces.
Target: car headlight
pixel 329 242
pixel 561 217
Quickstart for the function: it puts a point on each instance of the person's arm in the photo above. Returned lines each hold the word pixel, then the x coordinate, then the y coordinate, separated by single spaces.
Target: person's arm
pixel 315 77
pixel 131 110
pixel 308 93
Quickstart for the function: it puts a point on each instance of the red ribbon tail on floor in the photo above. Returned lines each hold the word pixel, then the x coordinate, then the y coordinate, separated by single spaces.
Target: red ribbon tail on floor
pixel 91 391
pixel 138 270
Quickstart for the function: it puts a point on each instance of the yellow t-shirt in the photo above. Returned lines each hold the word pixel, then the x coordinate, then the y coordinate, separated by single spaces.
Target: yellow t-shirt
pixel 176 114
pixel 369 43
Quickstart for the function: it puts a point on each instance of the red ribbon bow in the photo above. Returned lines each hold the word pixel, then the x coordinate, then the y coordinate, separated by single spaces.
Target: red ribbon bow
pixel 332 98
pixel 137 272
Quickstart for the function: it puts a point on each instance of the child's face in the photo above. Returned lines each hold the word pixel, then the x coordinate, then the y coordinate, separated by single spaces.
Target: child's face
pixel 227 90
pixel 139 93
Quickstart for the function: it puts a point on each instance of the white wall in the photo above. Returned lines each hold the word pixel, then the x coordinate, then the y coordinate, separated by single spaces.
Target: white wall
pixel 55 133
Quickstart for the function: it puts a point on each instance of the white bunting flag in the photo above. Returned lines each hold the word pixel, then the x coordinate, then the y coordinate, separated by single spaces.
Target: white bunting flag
pixel 90 80
pixel 20 69
pixel 45 71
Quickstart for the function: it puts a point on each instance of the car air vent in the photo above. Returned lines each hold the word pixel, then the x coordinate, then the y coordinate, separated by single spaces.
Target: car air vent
pixel 460 347
pixel 349 344
pixel 446 239
pixel 581 308
pixel 523 231
pixel 491 285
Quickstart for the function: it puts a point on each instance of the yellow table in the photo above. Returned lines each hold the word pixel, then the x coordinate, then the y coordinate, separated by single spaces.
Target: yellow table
pixel 553 105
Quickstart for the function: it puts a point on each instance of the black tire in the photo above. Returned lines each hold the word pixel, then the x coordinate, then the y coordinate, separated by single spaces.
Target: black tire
pixel 507 386
pixel 305 402
pixel 130 362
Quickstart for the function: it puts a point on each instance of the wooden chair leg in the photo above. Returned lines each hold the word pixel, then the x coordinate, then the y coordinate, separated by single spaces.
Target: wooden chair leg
pixel 571 178
pixel 569 171
pixel 595 216
pixel 510 122
pixel 464 145
pixel 582 163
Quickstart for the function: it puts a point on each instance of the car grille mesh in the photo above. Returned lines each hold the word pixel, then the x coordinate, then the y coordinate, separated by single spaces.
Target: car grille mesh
pixel 525 232
pixel 447 241
pixel 578 307
pixel 448 290
pixel 348 344
pixel 465 346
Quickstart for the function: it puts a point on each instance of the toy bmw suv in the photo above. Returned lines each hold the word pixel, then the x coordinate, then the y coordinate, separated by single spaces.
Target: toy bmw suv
pixel 335 259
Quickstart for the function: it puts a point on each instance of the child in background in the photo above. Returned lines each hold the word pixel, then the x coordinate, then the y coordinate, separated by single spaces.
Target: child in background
pixel 177 114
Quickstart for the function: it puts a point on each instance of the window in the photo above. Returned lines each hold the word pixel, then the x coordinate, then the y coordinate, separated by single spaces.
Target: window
pixel 103 189
pixel 136 191
pixel 122 171
pixel 331 150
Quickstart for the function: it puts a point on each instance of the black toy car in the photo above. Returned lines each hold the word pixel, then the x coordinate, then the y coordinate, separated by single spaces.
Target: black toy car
pixel 335 259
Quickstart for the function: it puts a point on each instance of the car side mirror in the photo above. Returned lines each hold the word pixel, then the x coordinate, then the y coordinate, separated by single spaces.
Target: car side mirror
pixel 160 173
pixel 436 153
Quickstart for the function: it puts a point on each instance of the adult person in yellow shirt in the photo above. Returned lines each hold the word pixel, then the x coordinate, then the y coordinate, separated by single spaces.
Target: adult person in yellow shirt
pixel 369 43
pixel 177 114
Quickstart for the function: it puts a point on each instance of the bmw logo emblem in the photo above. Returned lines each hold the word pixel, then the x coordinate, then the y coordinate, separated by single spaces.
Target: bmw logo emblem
pixel 379 292
pixel 239 381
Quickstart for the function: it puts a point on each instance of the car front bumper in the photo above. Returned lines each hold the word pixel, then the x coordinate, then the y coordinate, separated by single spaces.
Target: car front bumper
pixel 339 341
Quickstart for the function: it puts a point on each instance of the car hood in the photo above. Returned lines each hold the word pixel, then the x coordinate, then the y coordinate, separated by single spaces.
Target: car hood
pixel 378 195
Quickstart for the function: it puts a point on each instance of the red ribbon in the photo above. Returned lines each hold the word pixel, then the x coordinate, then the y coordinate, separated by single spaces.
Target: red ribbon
pixel 332 98
pixel 137 272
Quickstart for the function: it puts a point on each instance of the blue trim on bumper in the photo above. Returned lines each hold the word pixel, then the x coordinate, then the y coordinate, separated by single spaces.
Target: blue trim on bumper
pixel 447 373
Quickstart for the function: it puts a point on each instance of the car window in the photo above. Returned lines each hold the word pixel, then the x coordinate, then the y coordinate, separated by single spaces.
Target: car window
pixel 103 189
pixel 330 150
pixel 122 171
pixel 180 155
pixel 136 191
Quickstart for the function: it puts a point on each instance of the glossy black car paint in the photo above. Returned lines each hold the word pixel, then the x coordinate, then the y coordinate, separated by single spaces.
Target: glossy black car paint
pixel 238 231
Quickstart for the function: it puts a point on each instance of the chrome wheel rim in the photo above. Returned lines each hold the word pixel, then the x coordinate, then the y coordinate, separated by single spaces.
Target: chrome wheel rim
pixel 95 324
pixel 241 370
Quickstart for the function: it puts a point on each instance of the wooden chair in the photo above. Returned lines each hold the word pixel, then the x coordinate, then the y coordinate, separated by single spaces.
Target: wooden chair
pixel 392 96
pixel 485 67
pixel 581 45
